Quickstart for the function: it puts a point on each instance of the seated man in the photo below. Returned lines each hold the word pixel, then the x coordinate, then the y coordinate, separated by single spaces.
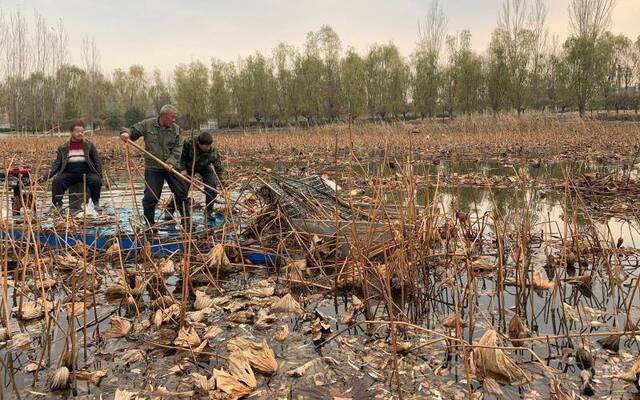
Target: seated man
pixel 76 160
pixel 206 155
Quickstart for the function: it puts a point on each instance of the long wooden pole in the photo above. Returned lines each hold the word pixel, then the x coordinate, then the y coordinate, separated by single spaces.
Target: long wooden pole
pixel 198 185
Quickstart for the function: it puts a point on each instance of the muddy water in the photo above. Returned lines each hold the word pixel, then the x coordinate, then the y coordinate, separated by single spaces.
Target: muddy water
pixel 355 350
pixel 433 168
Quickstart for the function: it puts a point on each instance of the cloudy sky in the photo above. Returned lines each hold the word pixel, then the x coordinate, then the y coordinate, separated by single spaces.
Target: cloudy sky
pixel 163 33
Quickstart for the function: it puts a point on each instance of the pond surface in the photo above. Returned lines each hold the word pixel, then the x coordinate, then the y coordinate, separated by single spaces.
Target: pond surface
pixel 444 286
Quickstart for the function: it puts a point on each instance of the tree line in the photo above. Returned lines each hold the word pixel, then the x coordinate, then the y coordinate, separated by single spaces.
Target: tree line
pixel 523 68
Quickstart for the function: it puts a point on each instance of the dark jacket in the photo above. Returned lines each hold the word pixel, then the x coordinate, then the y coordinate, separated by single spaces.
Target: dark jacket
pixel 164 143
pixel 203 159
pixel 62 156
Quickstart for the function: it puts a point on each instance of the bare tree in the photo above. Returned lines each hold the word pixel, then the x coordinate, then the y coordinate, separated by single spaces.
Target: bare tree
pixel 513 21
pixel 538 18
pixel 590 18
pixel 59 57
pixel 42 55
pixel 16 64
pixel 426 75
pixel 586 51
pixel 432 31
pixel 91 63
pixel 3 45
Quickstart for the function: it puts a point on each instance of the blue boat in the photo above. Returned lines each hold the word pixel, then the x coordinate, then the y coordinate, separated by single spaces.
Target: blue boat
pixel 100 238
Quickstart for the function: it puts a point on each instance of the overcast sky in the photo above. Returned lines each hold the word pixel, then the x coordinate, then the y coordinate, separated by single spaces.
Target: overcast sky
pixel 163 33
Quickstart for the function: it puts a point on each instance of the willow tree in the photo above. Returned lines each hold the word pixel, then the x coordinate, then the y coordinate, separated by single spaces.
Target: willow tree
pixel 387 77
pixel 354 88
pixel 586 52
pixel 220 89
pixel 192 92
pixel 427 74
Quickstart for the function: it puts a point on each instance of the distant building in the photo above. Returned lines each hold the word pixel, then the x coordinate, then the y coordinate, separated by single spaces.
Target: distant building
pixel 210 125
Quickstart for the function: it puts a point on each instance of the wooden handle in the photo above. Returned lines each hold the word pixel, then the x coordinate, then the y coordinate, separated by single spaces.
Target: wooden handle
pixel 198 185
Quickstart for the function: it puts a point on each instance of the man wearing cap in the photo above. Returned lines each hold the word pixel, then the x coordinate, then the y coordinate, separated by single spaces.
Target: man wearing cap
pixel 161 139
pixel 207 163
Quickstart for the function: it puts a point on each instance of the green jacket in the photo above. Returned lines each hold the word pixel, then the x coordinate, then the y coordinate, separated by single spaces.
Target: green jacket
pixel 164 143
pixel 203 159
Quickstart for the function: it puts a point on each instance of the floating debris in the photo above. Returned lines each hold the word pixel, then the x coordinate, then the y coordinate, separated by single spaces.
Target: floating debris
pixel 120 327
pixel 493 363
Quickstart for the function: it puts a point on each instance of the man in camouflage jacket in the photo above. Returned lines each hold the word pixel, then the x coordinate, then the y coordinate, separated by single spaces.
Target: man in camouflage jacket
pixel 207 163
pixel 162 139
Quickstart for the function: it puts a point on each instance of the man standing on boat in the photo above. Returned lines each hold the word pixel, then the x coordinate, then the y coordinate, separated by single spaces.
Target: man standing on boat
pixel 77 161
pixel 162 140
pixel 207 163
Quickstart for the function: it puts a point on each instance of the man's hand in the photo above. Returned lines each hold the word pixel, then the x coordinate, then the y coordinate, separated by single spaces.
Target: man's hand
pixel 124 136
pixel 185 173
pixel 168 167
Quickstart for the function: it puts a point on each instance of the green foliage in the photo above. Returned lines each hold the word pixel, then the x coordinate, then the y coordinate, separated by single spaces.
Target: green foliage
pixel 133 115
pixel 387 80
pixel 220 90
pixel 113 120
pixel 426 83
pixel 497 72
pixel 318 82
pixel 585 69
pixel 192 92
pixel 354 89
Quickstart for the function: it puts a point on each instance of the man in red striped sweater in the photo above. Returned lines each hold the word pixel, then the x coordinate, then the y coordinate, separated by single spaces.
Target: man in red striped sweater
pixel 76 160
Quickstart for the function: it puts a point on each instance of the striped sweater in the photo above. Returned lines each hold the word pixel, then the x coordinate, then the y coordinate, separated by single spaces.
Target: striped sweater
pixel 76 161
